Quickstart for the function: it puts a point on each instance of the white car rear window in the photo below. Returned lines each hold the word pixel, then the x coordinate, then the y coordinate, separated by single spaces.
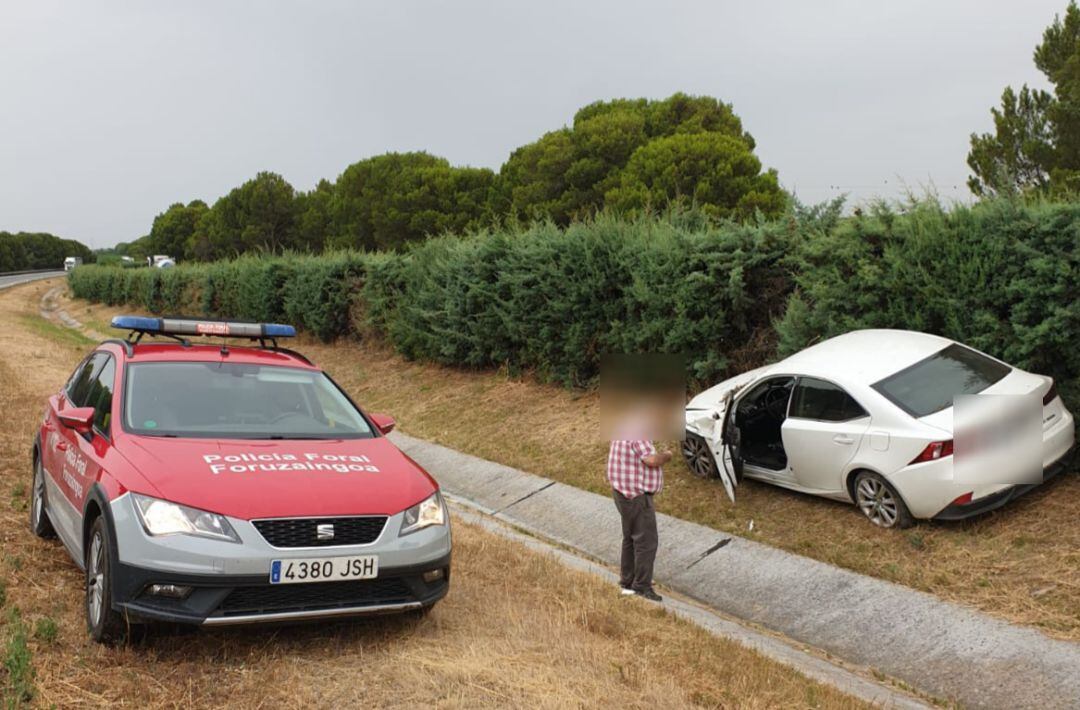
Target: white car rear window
pixel 932 384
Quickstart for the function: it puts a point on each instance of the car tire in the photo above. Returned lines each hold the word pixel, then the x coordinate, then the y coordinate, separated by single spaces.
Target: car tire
pixel 699 459
pixel 104 623
pixel 880 502
pixel 40 524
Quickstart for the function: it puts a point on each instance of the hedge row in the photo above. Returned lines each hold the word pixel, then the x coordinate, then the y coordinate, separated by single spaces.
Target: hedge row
pixel 1001 276
pixel 312 292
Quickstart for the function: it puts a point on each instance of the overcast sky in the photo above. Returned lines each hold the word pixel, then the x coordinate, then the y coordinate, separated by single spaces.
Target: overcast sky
pixel 110 111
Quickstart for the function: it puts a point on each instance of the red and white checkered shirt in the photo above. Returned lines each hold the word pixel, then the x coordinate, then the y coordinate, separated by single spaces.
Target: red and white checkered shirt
pixel 628 474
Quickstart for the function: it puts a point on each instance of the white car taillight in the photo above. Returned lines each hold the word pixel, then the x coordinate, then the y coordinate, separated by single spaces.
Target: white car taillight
pixel 933 451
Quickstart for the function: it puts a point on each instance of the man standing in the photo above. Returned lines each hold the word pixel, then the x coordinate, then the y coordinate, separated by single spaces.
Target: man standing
pixel 634 470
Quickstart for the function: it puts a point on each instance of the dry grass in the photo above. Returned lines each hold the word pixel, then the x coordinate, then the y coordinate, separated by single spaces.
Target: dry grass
pixel 518 629
pixel 1021 563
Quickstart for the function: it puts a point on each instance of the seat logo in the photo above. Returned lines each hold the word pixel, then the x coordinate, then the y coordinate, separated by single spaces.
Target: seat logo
pixel 324 531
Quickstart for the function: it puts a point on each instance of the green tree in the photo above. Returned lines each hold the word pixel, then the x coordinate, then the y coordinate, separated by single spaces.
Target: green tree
pixel 257 216
pixel 25 251
pixel 1018 155
pixel 715 172
pixel 313 217
pixel 1035 144
pixel 173 229
pixel 568 173
pixel 386 201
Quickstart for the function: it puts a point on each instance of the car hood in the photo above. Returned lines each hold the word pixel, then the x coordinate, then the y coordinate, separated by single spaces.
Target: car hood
pixel 264 479
pixel 1016 382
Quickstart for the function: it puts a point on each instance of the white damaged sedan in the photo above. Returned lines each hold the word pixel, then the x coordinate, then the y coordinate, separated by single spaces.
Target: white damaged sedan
pixel 868 418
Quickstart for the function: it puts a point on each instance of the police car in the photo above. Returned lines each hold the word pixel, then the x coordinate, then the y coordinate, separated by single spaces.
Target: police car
pixel 214 484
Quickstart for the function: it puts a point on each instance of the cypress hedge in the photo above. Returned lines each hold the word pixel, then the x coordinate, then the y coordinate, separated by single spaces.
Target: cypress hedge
pixel 1001 276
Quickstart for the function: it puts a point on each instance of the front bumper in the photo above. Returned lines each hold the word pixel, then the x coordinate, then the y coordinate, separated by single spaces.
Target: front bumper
pixel 223 600
pixel 230 582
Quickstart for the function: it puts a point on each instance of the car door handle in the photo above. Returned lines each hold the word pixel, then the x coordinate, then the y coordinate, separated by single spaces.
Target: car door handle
pixel 842 439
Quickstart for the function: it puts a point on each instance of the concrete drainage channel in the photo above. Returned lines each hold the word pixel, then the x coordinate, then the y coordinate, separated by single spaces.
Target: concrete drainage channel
pixel 50 310
pixel 942 649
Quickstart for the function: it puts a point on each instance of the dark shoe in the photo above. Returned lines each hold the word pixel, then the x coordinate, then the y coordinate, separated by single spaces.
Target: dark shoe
pixel 649 594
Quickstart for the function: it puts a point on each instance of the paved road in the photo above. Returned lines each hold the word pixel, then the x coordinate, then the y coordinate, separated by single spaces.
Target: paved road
pixel 15 279
pixel 940 648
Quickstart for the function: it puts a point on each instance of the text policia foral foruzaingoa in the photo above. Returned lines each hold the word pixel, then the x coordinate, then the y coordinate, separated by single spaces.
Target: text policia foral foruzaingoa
pixel 264 462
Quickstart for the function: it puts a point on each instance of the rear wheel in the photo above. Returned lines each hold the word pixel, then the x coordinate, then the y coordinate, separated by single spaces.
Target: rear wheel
pixel 880 502
pixel 699 459
pixel 105 624
pixel 40 524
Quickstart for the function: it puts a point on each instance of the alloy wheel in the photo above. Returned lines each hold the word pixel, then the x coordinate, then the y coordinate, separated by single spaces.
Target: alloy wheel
pixel 877 502
pixel 37 495
pixel 698 457
pixel 95 579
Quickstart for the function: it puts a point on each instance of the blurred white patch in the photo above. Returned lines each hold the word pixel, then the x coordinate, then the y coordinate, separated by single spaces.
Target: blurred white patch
pixel 643 397
pixel 997 439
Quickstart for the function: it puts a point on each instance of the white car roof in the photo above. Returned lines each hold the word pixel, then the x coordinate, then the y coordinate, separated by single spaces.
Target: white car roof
pixel 863 356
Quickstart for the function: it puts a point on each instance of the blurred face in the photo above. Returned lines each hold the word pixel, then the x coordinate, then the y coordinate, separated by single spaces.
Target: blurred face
pixel 642 397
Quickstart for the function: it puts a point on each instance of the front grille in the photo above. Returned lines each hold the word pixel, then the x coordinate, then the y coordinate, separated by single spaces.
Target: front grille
pixel 302 532
pixel 317 596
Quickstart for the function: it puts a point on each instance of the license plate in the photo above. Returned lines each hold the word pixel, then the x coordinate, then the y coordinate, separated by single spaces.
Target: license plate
pixel 323 569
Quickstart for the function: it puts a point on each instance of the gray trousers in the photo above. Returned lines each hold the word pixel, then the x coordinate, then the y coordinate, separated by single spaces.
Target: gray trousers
pixel 639 540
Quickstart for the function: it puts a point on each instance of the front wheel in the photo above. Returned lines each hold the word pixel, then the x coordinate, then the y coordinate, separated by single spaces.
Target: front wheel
pixel 699 459
pixel 40 524
pixel 880 502
pixel 105 624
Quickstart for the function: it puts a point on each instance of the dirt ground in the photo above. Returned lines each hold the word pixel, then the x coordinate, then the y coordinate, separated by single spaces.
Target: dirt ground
pixel 517 629
pixel 1020 563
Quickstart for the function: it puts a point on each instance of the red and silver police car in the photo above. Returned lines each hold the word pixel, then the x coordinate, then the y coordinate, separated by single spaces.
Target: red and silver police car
pixel 212 484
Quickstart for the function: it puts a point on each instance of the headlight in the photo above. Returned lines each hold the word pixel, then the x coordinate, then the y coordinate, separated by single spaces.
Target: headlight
pixel 160 517
pixel 423 515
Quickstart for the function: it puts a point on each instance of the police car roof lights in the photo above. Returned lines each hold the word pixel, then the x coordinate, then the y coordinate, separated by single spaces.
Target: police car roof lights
pixel 177 327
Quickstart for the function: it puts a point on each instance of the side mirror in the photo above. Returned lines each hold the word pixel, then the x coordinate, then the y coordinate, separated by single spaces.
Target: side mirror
pixel 81 419
pixel 385 422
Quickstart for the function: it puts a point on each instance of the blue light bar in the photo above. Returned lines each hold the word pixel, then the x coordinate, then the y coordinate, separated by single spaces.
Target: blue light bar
pixel 194 326
pixel 276 330
pixel 147 325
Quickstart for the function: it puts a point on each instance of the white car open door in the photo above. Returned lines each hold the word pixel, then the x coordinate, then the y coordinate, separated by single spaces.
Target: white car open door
pixel 719 430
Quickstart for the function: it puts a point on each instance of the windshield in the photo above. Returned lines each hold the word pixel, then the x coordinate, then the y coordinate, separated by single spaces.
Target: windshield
pixel 237 401
pixel 930 385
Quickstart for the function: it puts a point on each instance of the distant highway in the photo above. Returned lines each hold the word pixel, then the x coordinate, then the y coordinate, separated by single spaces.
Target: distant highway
pixel 15 279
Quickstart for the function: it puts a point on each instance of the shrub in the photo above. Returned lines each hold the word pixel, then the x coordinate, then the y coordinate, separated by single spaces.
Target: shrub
pixel 555 300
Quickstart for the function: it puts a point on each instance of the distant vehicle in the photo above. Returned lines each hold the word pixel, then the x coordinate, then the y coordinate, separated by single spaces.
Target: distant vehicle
pixel 127 260
pixel 866 417
pixel 160 261
pixel 71 262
